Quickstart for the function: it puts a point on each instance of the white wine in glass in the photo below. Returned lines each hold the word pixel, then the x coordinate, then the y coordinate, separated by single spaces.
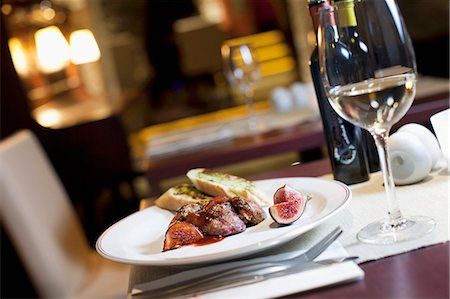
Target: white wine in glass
pixel 241 69
pixel 372 85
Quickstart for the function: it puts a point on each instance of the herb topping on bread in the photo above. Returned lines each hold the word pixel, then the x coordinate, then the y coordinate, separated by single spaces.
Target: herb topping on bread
pixel 217 183
pixel 180 195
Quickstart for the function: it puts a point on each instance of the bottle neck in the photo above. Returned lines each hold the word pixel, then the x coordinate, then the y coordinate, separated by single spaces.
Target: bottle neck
pixel 350 32
pixel 347 20
pixel 315 16
pixel 346 13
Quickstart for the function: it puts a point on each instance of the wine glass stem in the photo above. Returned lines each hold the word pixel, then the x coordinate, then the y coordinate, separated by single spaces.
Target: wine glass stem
pixel 251 111
pixel 395 216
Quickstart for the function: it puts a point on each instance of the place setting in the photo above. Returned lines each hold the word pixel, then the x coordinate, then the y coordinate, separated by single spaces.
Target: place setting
pixel 275 248
pixel 225 149
pixel 221 235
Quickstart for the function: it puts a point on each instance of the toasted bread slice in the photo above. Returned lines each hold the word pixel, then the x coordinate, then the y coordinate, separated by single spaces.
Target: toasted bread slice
pixel 180 195
pixel 217 183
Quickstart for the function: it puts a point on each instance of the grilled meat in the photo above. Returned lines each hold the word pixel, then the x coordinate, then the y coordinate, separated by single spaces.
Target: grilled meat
pixel 221 219
pixel 248 210
pixel 185 211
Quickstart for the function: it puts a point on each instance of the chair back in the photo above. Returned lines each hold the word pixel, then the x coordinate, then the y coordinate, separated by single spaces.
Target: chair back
pixel 40 218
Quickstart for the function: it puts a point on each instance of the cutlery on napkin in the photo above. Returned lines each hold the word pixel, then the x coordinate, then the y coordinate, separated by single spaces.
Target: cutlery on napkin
pixel 244 272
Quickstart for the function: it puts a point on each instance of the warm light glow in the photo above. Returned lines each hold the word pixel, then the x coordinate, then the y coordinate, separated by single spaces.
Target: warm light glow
pixel 48 13
pixel 52 49
pixel 48 117
pixel 212 10
pixel 18 56
pixel 409 85
pixel 83 47
pixel 6 9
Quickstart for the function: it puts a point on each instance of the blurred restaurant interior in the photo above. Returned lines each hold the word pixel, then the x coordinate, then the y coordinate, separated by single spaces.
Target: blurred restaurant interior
pixel 97 80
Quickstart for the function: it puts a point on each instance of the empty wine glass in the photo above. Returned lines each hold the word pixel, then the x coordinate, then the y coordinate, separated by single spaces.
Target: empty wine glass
pixel 370 80
pixel 241 69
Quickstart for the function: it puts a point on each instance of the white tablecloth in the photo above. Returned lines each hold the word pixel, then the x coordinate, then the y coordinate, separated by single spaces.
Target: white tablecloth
pixel 429 197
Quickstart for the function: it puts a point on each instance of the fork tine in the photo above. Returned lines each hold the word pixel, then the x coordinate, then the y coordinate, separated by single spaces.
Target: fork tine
pixel 318 248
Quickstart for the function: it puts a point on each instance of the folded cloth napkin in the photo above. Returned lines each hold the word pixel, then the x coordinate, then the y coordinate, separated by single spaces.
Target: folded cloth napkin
pixel 299 282
pixel 280 286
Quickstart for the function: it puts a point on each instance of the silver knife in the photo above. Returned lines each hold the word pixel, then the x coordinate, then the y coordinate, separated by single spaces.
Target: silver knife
pixel 197 275
pixel 241 279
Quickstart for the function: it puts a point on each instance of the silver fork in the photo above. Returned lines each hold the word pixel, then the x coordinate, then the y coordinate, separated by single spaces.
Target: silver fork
pixel 201 276
pixel 244 278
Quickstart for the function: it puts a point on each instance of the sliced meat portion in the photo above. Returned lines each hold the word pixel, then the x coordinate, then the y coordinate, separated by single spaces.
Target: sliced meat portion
pixel 221 219
pixel 186 210
pixel 181 234
pixel 248 210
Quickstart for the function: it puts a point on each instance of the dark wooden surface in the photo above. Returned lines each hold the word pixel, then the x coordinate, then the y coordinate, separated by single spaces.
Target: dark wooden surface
pixel 423 108
pixel 423 273
pixel 299 138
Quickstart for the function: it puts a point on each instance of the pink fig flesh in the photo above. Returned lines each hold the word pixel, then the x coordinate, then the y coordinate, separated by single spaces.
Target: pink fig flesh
pixel 286 193
pixel 287 212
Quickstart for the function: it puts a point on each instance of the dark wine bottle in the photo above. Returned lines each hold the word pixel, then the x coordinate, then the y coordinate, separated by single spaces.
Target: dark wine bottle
pixel 358 50
pixel 344 140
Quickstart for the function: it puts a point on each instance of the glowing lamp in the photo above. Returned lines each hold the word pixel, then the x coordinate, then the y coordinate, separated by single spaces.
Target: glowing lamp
pixel 83 47
pixel 52 49
pixel 18 56
pixel 48 117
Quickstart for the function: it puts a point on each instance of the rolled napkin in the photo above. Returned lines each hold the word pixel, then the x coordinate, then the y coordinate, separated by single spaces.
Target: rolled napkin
pixel 281 99
pixel 427 138
pixel 304 96
pixel 413 152
pixel 410 160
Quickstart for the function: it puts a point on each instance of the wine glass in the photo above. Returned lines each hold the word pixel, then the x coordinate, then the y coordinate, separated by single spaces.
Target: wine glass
pixel 370 80
pixel 241 69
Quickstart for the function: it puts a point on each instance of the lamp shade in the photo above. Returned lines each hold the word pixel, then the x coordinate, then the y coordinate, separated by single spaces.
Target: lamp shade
pixel 18 56
pixel 52 49
pixel 83 47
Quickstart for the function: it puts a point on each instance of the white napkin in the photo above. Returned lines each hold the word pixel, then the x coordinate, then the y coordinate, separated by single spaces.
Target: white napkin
pixel 312 279
pixel 281 99
pixel 304 96
pixel 441 123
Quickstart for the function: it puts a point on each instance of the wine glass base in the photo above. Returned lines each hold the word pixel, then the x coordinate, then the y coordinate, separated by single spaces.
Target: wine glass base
pixel 384 233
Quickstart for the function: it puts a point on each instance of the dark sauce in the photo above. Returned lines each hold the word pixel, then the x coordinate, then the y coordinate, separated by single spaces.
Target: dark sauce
pixel 208 240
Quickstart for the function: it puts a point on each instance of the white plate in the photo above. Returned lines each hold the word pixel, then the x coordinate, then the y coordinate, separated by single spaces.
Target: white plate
pixel 138 239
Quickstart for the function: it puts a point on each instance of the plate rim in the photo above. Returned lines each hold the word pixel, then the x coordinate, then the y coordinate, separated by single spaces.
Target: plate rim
pixel 216 257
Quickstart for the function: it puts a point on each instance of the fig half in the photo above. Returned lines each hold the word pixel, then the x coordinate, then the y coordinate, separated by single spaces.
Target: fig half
pixel 286 194
pixel 289 205
pixel 180 234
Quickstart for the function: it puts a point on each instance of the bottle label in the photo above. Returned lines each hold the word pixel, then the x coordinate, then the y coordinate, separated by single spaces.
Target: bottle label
pixel 344 152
